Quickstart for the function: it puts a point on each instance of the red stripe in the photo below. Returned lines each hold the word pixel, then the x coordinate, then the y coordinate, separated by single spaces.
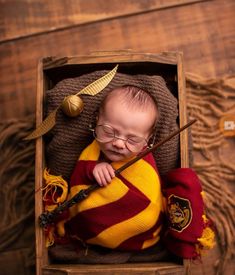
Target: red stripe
pixel 90 223
pixel 134 189
pixel 82 174
pixel 135 243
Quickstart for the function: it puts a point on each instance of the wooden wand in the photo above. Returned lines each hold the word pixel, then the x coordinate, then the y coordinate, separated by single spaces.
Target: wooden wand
pixel 47 218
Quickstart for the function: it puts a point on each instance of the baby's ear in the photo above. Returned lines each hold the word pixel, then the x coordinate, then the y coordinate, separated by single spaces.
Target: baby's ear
pixel 152 138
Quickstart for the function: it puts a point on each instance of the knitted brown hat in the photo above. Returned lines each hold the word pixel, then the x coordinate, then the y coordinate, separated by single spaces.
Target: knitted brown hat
pixel 70 136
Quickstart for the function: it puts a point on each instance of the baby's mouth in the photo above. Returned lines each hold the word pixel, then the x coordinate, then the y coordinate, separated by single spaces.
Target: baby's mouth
pixel 115 153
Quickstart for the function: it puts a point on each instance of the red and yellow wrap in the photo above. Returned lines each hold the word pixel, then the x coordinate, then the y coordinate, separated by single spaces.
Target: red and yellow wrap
pixel 125 215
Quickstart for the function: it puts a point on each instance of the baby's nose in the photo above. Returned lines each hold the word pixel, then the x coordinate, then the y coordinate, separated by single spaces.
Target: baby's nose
pixel 119 143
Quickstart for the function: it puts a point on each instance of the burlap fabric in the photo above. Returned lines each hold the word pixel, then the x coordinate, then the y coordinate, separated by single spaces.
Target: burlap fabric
pixel 17 245
pixel 71 135
pixel 209 101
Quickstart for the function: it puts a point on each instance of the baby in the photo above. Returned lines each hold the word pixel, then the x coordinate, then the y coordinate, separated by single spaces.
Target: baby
pixel 126 213
pixel 124 126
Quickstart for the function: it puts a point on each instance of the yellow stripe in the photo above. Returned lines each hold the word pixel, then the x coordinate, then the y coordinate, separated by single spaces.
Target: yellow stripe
pixel 91 152
pixel 143 176
pixel 116 234
pixel 154 240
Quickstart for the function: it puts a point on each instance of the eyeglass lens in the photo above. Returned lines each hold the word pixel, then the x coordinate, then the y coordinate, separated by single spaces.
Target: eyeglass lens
pixel 105 133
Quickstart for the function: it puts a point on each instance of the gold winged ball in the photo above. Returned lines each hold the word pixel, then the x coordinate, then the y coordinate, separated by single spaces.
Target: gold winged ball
pixel 72 105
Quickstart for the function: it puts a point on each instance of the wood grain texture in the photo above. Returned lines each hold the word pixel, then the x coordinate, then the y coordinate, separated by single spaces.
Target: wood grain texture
pixel 39 168
pixel 24 18
pixel 184 142
pixel 118 269
pixel 111 56
pixel 204 32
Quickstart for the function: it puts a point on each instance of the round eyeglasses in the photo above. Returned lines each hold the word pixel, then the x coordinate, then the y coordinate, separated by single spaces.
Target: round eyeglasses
pixel 106 133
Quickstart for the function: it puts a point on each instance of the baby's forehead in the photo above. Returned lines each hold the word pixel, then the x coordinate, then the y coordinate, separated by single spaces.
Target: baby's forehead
pixel 125 94
pixel 117 95
pixel 133 97
pixel 117 92
pixel 117 99
pixel 120 103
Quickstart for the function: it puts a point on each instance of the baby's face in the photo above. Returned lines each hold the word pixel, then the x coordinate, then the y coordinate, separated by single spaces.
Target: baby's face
pixel 128 123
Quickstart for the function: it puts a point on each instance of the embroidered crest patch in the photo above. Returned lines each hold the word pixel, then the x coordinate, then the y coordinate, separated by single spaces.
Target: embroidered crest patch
pixel 179 213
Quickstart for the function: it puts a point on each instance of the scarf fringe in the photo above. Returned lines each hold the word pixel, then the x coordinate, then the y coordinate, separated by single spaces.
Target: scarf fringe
pixel 55 193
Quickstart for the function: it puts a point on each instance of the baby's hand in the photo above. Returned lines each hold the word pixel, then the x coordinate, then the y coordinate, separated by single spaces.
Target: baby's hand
pixel 103 173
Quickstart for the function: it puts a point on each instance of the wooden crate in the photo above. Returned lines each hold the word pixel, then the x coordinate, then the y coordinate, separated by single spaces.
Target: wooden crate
pixel 52 70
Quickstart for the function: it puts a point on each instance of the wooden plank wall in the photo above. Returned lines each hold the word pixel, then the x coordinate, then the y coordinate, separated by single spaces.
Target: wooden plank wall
pixel 203 30
pixel 30 29
pixel 25 18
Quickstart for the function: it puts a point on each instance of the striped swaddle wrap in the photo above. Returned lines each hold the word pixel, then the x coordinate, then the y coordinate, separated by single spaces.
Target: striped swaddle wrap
pixel 125 215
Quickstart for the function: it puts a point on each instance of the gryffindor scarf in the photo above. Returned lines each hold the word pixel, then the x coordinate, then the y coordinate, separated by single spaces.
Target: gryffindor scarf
pixel 125 215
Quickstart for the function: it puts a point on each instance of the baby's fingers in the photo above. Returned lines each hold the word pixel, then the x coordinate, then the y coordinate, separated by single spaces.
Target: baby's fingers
pixel 111 171
pixel 98 178
pixel 102 178
pixel 103 173
pixel 107 177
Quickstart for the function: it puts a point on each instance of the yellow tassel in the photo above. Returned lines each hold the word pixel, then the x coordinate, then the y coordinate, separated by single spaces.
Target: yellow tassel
pixel 203 195
pixel 205 220
pixel 207 240
pixel 50 237
pixel 53 183
pixel 50 207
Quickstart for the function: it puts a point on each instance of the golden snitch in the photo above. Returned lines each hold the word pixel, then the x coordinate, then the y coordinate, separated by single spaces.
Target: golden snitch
pixel 72 105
